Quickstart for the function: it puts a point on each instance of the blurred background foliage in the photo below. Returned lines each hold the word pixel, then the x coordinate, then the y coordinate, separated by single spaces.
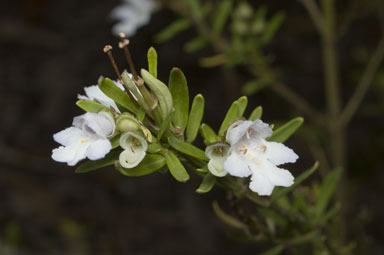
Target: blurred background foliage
pixel 52 49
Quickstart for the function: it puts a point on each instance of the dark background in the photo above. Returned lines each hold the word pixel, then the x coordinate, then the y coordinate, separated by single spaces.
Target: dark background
pixel 50 50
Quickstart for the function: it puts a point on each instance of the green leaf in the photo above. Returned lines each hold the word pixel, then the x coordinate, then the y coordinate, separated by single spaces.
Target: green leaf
pixel 226 218
pixel 230 117
pixel 164 126
pixel 116 94
pixel 171 30
pixel 179 91
pixel 208 134
pixel 161 91
pixel 195 44
pixel 271 27
pixel 129 85
pixel 176 168
pixel 195 117
pixel 150 164
pixel 96 164
pixel 284 132
pixel 253 86
pixel 242 105
pixel 274 251
pixel 115 141
pixel 90 105
pixel 186 148
pixel 327 189
pixel 256 114
pixel 222 15
pixel 302 177
pixel 207 183
pixel 152 61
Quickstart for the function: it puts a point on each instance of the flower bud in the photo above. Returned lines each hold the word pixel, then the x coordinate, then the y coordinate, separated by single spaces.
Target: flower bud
pixel 217 154
pixel 127 123
pixel 135 149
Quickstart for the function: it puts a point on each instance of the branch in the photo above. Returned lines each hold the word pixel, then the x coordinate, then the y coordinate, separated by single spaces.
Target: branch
pixel 315 14
pixel 362 87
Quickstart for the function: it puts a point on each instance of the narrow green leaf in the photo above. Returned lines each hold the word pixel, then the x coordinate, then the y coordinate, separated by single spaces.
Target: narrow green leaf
pixel 171 30
pixel 186 148
pixel 271 27
pixel 208 134
pixel 195 117
pixel 90 105
pixel 154 147
pixel 96 164
pixel 116 94
pixel 161 91
pixel 207 183
pixel 226 218
pixel 150 164
pixel 284 132
pixel 152 61
pixel 179 91
pixel 231 116
pixel 222 15
pixel 176 168
pixel 253 86
pixel 164 126
pixel 256 114
pixel 302 177
pixel 195 44
pixel 242 105
pixel 115 141
pixel 327 189
pixel 274 251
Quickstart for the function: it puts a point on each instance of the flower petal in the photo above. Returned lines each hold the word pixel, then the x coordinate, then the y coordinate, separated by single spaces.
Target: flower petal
pixel 279 154
pixel 260 129
pixel 70 154
pixel 237 130
pixel 95 93
pixel 128 138
pixel 131 157
pixel 216 167
pixel 98 149
pixel 94 123
pixel 277 176
pixel 261 184
pixel 68 136
pixel 236 165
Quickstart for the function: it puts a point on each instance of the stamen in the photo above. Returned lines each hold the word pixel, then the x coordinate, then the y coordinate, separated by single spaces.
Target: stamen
pixel 124 45
pixel 108 51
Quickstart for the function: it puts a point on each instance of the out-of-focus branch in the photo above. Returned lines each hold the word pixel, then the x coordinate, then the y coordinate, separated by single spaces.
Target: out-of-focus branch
pixel 315 14
pixel 364 83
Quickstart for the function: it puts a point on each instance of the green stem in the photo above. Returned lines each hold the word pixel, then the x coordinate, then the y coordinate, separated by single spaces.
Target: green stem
pixel 363 85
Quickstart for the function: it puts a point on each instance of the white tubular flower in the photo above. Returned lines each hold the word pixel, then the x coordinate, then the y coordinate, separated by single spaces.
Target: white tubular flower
pixel 251 154
pixel 132 15
pixel 135 149
pixel 88 138
pixel 95 93
pixel 217 154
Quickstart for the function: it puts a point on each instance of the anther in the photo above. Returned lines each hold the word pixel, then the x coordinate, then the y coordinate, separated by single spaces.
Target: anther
pixel 108 51
pixel 123 44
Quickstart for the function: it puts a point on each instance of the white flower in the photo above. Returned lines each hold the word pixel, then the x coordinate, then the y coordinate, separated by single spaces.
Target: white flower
pixel 95 93
pixel 135 149
pixel 251 154
pixel 132 15
pixel 217 154
pixel 88 138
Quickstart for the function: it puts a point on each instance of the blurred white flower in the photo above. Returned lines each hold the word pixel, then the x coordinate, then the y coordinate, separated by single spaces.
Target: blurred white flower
pixel 135 148
pixel 132 14
pixel 251 154
pixel 88 138
pixel 95 93
pixel 217 154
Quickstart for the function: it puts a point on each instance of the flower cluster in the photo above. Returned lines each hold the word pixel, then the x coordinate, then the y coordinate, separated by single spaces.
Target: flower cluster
pixel 150 126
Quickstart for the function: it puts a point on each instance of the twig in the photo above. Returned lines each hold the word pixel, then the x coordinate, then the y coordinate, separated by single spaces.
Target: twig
pixel 315 14
pixel 364 83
